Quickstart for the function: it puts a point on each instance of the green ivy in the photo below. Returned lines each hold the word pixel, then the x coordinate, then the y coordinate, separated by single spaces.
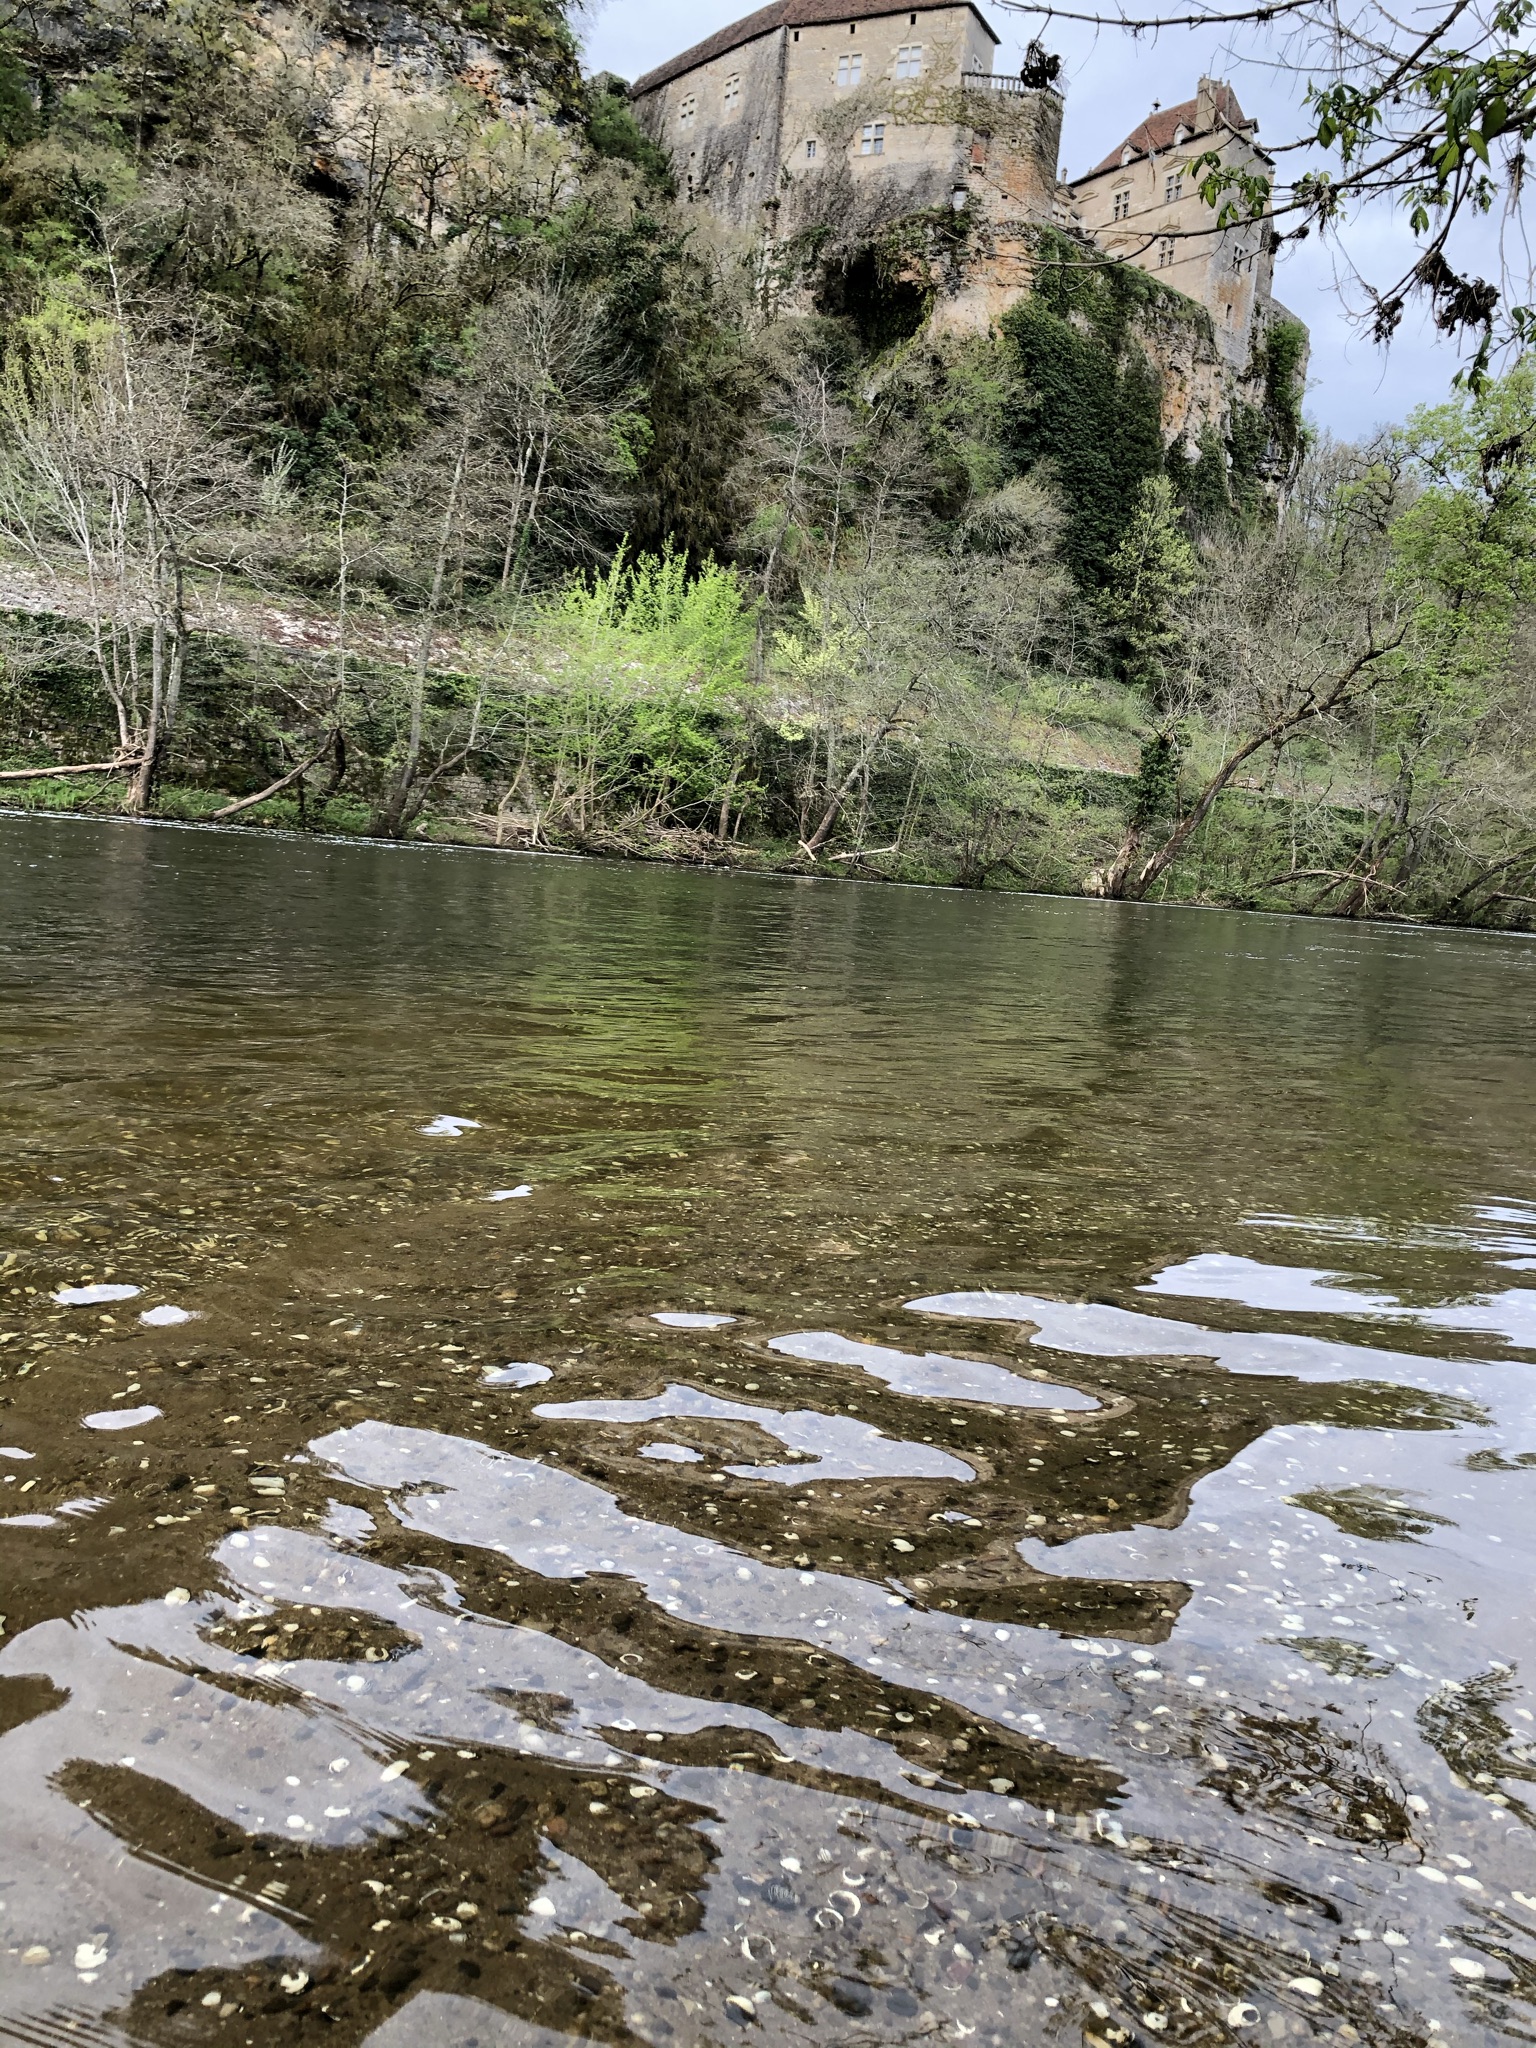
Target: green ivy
pixel 1091 416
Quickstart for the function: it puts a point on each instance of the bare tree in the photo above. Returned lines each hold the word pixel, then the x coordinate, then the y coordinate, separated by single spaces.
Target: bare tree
pixel 112 480
pixel 1283 633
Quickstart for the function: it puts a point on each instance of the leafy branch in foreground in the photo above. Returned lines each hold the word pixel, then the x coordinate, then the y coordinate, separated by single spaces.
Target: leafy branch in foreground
pixel 1430 111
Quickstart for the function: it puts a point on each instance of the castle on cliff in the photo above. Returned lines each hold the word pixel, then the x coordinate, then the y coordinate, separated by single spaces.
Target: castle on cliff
pixel 854 131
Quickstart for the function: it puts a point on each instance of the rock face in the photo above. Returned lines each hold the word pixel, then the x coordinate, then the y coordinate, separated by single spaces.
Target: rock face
pixel 378 52
pixel 344 56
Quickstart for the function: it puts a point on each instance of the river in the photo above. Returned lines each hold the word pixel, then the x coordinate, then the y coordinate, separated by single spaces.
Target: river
pixel 667 1457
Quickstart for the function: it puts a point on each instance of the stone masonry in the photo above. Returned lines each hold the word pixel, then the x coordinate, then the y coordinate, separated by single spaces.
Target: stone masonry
pixel 829 123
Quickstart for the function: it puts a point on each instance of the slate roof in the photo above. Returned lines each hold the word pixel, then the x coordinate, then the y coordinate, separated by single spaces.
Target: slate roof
pixel 780 14
pixel 1156 133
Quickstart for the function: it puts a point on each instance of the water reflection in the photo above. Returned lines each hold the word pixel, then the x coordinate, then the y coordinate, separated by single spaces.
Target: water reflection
pixel 1106 1677
pixel 829 1446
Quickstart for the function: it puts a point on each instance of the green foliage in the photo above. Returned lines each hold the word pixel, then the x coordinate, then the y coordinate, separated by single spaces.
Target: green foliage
pixel 1464 566
pixel 1284 352
pixel 18 121
pixel 1155 790
pixel 1150 575
pixel 664 623
pixel 1093 414
pixel 613 131
pixel 1204 487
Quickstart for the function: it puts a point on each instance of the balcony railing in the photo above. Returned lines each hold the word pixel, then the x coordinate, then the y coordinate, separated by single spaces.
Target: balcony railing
pixel 991 81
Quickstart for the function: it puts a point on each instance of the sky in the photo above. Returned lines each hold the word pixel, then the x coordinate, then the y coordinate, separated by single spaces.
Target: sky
pixel 1111 82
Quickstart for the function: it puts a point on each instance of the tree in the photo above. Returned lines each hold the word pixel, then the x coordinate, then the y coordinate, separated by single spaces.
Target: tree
pixel 1151 574
pixel 1283 634
pixel 113 482
pixel 1449 718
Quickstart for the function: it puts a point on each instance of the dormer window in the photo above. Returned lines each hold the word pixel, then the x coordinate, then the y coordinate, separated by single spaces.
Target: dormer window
pixel 686 110
pixel 909 61
pixel 1127 156
pixel 733 92
pixel 1123 203
pixel 1180 135
pixel 850 69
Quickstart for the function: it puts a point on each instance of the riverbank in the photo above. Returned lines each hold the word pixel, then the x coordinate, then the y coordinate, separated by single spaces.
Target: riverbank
pixel 633 718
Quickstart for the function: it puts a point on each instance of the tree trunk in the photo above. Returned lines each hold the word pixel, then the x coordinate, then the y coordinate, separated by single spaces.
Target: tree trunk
pixel 391 820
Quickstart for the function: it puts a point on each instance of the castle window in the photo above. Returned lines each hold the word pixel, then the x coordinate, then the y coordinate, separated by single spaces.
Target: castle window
pixel 1123 203
pixel 872 139
pixel 850 69
pixel 686 111
pixel 1165 252
pixel 733 91
pixel 909 61
pixel 1173 188
pixel 810 152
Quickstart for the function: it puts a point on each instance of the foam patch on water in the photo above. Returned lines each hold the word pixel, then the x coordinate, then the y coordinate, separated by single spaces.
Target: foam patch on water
pixel 120 1418
pixel 521 1375
pixel 690 1319
pixel 508 1194
pixel 671 1454
pixel 11 1451
pixel 932 1374
pixel 99 1290
pixel 449 1126
pixel 837 1446
pixel 163 1317
pixel 29 1522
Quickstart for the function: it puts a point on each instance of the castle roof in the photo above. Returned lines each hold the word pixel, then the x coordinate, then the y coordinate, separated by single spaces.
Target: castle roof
pixel 1156 134
pixel 779 14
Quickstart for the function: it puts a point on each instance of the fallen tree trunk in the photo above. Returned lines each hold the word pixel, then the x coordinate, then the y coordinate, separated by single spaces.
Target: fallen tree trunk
pixel 244 803
pixel 126 765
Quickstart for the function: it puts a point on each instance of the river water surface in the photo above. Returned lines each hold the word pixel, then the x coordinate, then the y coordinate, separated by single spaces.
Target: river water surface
pixel 597 1452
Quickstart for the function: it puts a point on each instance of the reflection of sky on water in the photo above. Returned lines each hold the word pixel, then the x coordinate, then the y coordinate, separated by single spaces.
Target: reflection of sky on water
pixel 931 1373
pixel 1305 1290
pixel 829 1446
pixel 1355 1646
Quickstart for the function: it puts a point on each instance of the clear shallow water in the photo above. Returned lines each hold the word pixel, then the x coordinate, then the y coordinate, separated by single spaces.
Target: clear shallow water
pixel 1096 1605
